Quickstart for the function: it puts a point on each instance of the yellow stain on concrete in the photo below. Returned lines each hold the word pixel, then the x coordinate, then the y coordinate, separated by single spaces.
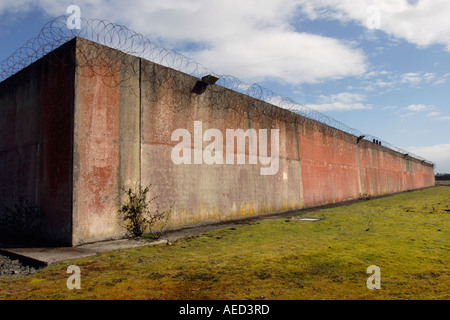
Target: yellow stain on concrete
pixel 183 217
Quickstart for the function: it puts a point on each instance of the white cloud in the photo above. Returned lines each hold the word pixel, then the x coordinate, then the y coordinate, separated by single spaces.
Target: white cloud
pixel 12 7
pixel 439 154
pixel 385 81
pixel 442 80
pixel 442 118
pixel 283 55
pixel 414 109
pixel 344 101
pixel 417 107
pixel 411 77
pixel 434 114
pixel 415 78
pixel 250 39
pixel 424 23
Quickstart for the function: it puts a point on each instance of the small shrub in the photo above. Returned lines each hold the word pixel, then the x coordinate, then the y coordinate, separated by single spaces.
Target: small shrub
pixel 364 196
pixel 137 215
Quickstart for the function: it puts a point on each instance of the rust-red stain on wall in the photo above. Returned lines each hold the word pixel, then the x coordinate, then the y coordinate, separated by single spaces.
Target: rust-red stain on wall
pixel 96 152
pixel 121 136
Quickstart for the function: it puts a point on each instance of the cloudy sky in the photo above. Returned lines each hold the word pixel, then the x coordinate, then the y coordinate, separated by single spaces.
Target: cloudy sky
pixel 380 66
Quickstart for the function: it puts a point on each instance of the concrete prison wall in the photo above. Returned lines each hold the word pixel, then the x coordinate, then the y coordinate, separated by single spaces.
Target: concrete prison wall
pixel 128 120
pixel 36 116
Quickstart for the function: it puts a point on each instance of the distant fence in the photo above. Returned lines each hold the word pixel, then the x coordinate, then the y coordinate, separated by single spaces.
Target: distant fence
pixel 55 33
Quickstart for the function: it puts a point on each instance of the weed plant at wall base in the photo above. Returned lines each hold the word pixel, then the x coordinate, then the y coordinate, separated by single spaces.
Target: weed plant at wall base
pixel 138 216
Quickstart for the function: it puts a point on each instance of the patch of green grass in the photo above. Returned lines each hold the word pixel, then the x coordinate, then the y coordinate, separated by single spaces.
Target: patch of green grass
pixel 406 235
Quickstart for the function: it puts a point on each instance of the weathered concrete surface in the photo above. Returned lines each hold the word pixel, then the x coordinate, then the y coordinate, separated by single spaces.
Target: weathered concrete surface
pixel 105 123
pixel 56 144
pixel 106 140
pixel 36 107
pixel 329 165
pixel 200 193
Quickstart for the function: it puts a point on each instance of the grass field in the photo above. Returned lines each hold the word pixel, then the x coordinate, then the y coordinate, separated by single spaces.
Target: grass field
pixel 406 235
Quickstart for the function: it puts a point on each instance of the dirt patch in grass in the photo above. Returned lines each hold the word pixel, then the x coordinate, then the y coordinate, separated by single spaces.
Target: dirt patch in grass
pixel 406 235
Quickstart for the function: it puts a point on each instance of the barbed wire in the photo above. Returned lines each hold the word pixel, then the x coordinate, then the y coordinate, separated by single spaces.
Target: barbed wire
pixel 55 33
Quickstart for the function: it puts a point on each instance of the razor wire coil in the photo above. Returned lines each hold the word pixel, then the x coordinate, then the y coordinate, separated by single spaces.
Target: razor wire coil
pixel 55 33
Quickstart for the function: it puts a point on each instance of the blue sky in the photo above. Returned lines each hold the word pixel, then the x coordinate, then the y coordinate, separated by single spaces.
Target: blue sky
pixel 380 66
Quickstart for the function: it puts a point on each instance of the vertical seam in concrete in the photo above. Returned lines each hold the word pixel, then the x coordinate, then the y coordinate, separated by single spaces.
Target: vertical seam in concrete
pixel 140 121
pixel 72 137
pixel 72 155
pixel 358 168
pixel 299 164
pixel 38 169
pixel 38 162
